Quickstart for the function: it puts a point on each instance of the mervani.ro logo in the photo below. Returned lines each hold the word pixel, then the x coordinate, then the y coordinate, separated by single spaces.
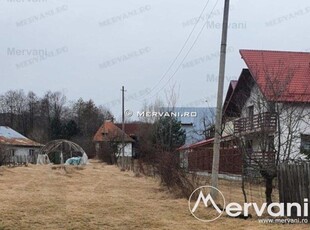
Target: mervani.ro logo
pixel 204 208
pixel 199 211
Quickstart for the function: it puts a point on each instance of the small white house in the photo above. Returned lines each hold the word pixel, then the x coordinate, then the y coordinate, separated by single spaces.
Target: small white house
pixel 18 148
pixel 110 133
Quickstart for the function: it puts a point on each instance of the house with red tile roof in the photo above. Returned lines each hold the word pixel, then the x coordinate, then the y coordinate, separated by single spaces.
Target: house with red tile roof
pixel 135 130
pixel 109 133
pixel 268 108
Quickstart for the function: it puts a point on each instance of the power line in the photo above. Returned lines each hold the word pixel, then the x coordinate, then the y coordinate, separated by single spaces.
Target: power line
pixel 180 51
pixel 187 52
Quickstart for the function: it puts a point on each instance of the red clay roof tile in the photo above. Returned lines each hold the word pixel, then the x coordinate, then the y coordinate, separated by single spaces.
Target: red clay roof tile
pixel 110 132
pixel 281 75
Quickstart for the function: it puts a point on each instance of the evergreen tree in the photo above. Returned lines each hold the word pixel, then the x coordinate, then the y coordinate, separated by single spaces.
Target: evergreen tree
pixel 168 133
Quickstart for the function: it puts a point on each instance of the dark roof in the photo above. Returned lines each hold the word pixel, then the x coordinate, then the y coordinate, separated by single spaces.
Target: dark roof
pixel 134 128
pixel 9 136
pixel 203 143
pixel 229 94
pixel 197 144
pixel 282 76
pixel 237 96
pixel 110 132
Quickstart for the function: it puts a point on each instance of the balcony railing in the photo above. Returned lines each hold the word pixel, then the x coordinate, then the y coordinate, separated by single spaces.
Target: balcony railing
pixel 262 122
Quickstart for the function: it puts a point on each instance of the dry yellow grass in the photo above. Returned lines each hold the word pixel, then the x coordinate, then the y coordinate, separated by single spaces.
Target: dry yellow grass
pixel 100 197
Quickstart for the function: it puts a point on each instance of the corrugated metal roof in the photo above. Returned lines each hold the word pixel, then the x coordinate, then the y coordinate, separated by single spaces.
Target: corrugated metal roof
pixel 9 136
pixel 9 133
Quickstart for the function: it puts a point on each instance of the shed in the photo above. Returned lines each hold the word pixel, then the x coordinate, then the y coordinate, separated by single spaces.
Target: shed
pixel 18 148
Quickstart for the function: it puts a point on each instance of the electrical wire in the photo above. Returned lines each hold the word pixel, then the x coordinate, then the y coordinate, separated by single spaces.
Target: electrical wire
pixel 180 51
pixel 174 73
pixel 186 53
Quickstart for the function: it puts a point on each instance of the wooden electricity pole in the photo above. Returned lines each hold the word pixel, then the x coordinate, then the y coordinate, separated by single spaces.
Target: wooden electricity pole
pixel 123 129
pixel 218 121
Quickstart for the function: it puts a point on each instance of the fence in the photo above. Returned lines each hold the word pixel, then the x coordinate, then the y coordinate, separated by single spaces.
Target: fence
pixel 259 122
pixel 21 159
pixel 230 160
pixel 294 185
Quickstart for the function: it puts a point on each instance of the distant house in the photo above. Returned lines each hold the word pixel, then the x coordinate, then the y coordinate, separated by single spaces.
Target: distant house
pixel 135 130
pixel 195 121
pixel 109 134
pixel 19 149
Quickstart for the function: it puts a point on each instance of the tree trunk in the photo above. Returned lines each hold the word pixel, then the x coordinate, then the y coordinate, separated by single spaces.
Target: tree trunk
pixel 268 190
pixel 243 178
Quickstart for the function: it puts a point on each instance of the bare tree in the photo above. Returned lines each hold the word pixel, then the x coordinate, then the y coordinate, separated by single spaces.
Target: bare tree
pixel 207 122
pixel 32 102
pixel 108 151
pixel 172 96
pixel 151 107
pixel 50 117
pixel 158 142
pixel 13 105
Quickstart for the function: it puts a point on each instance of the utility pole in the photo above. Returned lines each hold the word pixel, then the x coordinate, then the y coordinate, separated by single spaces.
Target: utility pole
pixel 123 129
pixel 218 121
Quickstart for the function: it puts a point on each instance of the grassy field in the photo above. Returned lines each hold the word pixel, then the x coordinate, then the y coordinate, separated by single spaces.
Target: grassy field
pixel 102 197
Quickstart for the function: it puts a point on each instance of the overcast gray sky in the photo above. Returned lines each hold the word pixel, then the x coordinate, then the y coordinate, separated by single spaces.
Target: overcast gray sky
pixel 90 49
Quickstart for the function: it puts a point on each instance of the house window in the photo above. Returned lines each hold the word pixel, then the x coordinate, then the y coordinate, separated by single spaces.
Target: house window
pixel 31 152
pixel 305 143
pixel 250 113
pixel 271 146
pixel 105 134
pixel 271 107
pixel 12 152
pixel 249 146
